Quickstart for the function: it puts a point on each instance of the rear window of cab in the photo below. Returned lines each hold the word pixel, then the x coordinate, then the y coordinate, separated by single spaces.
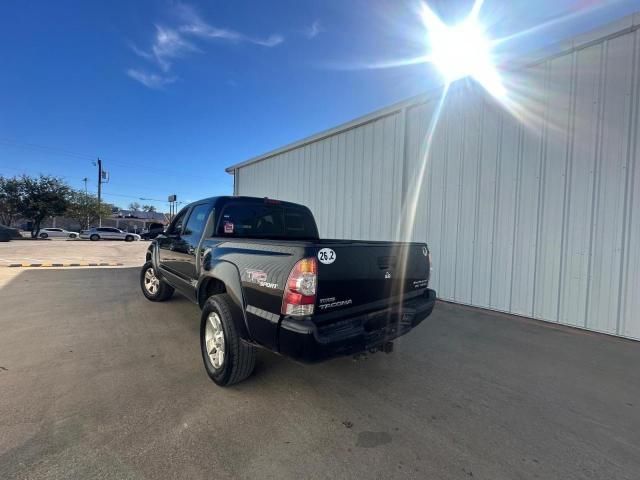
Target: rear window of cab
pixel 266 221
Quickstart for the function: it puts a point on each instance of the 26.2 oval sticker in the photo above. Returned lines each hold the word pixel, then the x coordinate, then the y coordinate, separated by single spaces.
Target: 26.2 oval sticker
pixel 327 255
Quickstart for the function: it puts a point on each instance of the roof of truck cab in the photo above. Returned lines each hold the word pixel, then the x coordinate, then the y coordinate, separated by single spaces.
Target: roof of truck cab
pixel 243 199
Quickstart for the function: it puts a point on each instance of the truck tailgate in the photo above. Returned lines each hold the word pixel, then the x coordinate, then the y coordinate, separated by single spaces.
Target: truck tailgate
pixel 363 275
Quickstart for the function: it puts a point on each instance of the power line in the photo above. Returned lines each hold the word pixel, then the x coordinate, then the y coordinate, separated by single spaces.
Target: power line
pixel 82 156
pixel 14 169
pixel 13 143
pixel 144 199
pixel 23 171
pixel 135 197
pixel 150 169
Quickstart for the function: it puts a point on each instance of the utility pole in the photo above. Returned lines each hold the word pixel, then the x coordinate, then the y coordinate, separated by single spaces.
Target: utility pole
pixel 86 199
pixel 99 190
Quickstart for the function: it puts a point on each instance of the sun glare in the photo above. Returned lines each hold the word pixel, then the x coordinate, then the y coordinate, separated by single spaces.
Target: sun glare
pixel 462 50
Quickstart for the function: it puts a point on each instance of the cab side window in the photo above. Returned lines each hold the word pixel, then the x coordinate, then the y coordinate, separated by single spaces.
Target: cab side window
pixel 176 226
pixel 197 221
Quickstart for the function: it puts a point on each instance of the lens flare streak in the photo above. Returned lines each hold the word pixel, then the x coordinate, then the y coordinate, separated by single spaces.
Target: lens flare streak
pixel 405 226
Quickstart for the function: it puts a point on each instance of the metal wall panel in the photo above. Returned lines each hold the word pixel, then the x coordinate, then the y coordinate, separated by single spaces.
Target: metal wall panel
pixel 531 209
pixel 465 239
pixel 607 221
pixel 552 188
pixel 351 181
pixel 485 211
pixel 575 272
pixel 528 196
pixel 629 323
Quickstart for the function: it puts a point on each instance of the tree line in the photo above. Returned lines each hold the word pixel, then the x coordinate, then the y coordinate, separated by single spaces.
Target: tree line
pixel 135 207
pixel 37 198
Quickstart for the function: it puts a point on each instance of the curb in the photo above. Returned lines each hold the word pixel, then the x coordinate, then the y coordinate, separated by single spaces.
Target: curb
pixel 80 264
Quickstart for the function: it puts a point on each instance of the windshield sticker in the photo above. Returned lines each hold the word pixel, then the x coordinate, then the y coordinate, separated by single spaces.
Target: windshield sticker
pixel 228 227
pixel 327 256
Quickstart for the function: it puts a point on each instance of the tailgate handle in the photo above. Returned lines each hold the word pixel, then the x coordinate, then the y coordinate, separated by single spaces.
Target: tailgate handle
pixel 386 262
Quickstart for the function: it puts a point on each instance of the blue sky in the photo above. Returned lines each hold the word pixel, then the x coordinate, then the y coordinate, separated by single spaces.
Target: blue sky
pixel 170 93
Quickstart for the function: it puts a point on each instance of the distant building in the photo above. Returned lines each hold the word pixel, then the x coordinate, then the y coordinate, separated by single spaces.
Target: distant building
pixel 139 214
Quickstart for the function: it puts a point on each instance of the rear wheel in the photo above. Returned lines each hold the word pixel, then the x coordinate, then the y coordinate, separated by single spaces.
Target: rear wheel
pixel 227 359
pixel 154 288
pixel 44 235
pixel 72 235
pixel 95 237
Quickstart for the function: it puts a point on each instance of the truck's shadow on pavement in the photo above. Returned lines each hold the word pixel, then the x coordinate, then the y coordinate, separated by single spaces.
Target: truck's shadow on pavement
pixel 96 380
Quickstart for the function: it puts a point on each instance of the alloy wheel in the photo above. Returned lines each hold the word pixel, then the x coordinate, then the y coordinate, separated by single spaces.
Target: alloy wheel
pixel 214 340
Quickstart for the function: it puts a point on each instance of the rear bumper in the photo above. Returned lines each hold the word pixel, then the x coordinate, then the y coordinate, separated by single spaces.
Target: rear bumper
pixel 303 340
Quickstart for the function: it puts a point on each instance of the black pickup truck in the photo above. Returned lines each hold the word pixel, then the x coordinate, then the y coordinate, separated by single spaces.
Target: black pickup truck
pixel 263 278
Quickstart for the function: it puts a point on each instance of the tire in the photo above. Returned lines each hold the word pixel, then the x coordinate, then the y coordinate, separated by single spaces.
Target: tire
pixel 95 237
pixel 154 289
pixel 73 235
pixel 128 238
pixel 239 358
pixel 44 235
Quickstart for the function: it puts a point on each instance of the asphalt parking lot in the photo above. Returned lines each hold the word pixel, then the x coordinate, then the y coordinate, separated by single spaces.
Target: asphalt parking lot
pixel 97 382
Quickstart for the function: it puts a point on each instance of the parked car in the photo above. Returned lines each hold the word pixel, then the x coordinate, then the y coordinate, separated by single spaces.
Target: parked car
pixel 154 230
pixel 108 233
pixel 263 278
pixel 8 233
pixel 57 233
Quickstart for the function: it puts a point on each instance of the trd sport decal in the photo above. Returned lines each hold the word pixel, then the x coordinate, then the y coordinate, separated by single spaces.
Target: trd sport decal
pixel 256 276
pixel 260 277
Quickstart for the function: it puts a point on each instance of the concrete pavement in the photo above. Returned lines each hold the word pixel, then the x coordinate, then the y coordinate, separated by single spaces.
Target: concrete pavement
pixel 97 382
pixel 72 251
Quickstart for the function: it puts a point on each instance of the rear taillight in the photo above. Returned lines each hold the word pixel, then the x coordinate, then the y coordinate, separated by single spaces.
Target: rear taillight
pixel 300 292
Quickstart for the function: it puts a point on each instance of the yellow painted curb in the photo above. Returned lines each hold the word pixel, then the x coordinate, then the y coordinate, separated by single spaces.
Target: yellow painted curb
pixel 79 264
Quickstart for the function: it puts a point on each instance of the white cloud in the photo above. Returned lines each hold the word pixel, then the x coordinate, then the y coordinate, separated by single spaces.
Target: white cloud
pixel 192 24
pixel 175 42
pixel 168 45
pixel 203 30
pixel 150 80
pixel 141 53
pixel 313 30
pixel 270 41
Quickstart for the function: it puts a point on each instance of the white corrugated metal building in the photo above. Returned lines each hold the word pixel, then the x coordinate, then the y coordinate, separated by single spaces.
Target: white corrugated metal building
pixel 531 209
